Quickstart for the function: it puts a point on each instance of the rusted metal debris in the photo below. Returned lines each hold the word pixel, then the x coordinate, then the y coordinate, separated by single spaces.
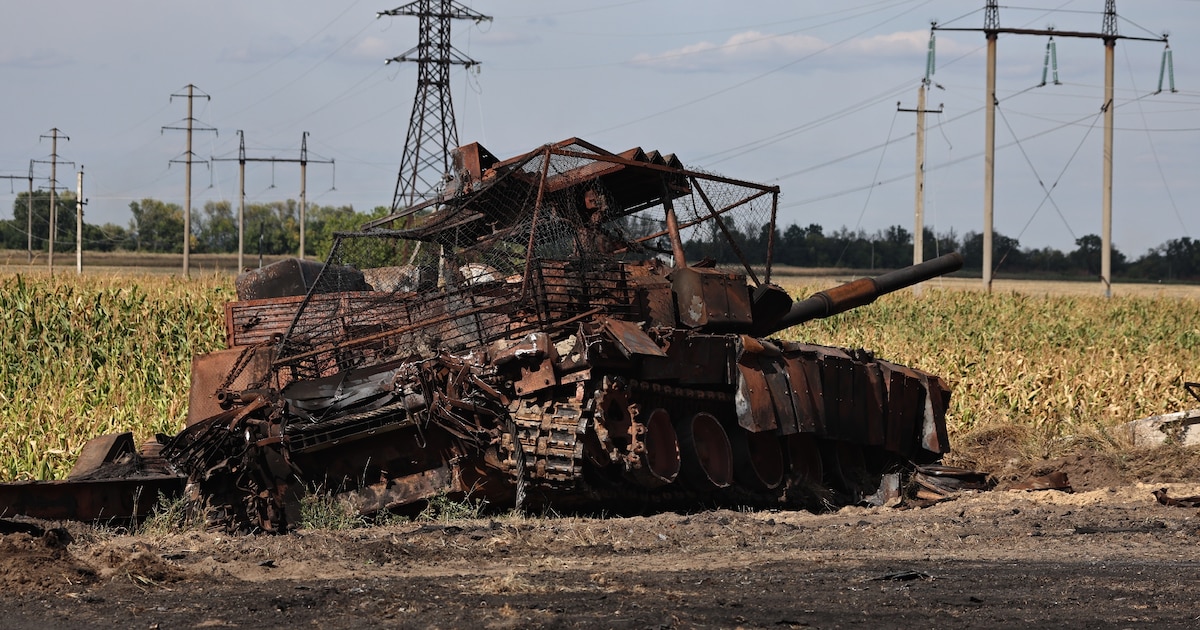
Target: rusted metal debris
pixel 535 337
pixel 1163 497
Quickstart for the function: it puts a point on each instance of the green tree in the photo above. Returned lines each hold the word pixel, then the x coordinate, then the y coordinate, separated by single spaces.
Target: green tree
pixel 324 221
pixel 215 228
pixel 156 226
pixel 1087 256
pixel 15 235
pixel 105 238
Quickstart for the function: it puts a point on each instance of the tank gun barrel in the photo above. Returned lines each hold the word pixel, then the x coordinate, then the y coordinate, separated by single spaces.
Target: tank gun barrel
pixel 865 290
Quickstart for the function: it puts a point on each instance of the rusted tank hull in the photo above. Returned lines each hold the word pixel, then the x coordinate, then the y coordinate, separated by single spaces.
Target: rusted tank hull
pixel 605 414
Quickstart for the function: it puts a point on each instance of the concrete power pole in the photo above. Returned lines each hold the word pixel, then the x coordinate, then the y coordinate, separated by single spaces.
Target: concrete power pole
pixel 188 158
pixel 29 215
pixel 29 210
pixel 303 188
pixel 79 221
pixel 1109 31
pixel 55 134
pixel 919 200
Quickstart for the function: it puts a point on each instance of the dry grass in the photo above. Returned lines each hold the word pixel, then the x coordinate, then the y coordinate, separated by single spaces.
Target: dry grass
pixel 125 263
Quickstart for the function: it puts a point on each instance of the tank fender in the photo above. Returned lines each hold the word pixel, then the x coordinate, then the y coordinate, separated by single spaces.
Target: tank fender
pixel 754 399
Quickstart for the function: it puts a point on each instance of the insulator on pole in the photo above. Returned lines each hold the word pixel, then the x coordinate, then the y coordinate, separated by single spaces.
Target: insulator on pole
pixel 930 67
pixel 1167 69
pixel 1050 64
pixel 1054 60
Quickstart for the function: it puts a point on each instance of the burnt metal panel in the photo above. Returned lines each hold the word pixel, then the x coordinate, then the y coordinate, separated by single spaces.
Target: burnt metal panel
pixel 842 419
pixel 804 400
pixel 255 321
pixel 905 401
pixel 89 500
pixel 933 430
pixel 695 359
pixel 630 339
pixel 101 450
pixel 400 491
pixel 760 361
pixel 872 395
pixel 711 298
pixel 210 372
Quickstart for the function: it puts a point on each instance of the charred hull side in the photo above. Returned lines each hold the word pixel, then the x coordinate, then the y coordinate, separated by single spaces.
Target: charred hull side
pixel 602 413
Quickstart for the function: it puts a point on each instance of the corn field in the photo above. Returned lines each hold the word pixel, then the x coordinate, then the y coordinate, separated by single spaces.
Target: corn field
pixel 80 357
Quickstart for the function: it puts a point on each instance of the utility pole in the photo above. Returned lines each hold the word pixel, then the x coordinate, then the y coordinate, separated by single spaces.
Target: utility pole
pixel 303 188
pixel 919 202
pixel 79 203
pixel 188 158
pixel 242 159
pixel 432 131
pixel 55 134
pixel 1108 33
pixel 29 211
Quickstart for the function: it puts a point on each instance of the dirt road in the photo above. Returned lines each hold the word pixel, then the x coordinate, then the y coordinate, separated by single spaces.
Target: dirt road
pixel 1107 558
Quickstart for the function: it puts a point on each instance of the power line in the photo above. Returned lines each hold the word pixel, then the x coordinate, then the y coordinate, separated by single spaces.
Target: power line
pixel 1109 35
pixel 303 161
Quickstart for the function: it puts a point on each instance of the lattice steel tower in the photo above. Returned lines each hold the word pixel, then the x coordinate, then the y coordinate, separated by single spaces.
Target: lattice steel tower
pixel 432 131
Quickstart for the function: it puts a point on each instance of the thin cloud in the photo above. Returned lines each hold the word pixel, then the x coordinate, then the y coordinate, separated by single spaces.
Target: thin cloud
pixel 375 49
pixel 33 60
pixel 258 51
pixel 754 48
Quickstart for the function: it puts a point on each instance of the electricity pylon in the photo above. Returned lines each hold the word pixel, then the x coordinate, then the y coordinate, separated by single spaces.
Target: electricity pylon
pixel 432 132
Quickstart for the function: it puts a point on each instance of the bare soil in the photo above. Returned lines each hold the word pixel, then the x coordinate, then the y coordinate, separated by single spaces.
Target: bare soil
pixel 1109 557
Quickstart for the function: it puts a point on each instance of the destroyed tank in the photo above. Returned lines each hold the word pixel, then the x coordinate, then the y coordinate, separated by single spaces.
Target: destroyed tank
pixel 551 332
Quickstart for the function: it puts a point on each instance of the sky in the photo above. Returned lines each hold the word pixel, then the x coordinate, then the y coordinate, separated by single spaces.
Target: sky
pixel 797 93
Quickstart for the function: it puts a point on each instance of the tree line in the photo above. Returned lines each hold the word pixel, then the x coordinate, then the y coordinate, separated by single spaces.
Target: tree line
pixel 157 226
pixel 273 229
pixel 891 248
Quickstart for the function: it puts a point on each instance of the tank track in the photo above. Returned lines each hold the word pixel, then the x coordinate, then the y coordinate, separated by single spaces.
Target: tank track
pixel 550 433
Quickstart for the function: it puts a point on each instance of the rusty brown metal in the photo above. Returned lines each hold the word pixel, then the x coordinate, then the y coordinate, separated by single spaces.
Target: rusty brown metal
pixel 712 298
pixel 630 339
pixel 118 500
pixel 99 451
pixel 655 459
pixel 705 450
pixel 218 377
pixel 404 491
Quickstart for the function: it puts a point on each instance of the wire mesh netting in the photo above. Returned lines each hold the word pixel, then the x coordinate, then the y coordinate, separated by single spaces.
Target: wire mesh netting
pixel 527 244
